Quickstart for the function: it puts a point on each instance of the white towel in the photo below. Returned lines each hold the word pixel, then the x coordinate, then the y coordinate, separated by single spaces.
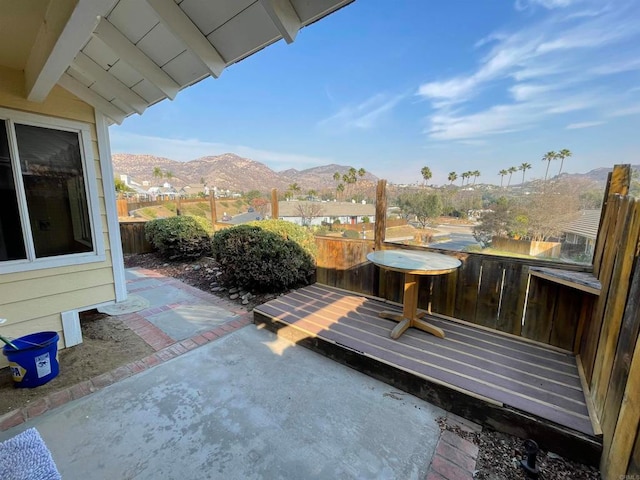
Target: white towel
pixel 26 457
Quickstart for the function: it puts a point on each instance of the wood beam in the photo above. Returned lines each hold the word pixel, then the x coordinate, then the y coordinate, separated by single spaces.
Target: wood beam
pixel 178 23
pixel 65 29
pixel 284 17
pixel 92 98
pixel 91 69
pixel 381 214
pixel 135 58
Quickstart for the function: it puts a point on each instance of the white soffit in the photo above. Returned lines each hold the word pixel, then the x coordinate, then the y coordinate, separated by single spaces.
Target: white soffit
pixel 144 51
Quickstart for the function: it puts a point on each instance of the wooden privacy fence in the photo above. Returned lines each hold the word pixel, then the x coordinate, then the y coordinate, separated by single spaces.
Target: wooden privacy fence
pixel 133 239
pixel 609 350
pixel 486 290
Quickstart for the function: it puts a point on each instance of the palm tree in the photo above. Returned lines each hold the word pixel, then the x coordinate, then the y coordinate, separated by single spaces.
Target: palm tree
pixel 547 158
pixel 452 177
pixel 336 176
pixel 524 167
pixel 502 174
pixel 361 172
pixel 339 189
pixel 465 175
pixel 476 174
pixel 426 174
pixel 157 172
pixel 169 175
pixel 562 154
pixel 294 188
pixel 511 171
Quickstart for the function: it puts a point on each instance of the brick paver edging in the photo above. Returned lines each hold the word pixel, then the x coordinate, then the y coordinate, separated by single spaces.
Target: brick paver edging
pixel 455 457
pixel 165 349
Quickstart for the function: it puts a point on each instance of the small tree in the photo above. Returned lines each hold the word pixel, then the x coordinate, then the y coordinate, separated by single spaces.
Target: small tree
pixel 425 206
pixel 252 194
pixel 496 222
pixel 260 205
pixel 307 211
pixel 122 187
pixel 452 177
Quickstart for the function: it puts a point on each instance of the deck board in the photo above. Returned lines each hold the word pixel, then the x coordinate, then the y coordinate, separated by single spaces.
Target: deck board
pixel 528 377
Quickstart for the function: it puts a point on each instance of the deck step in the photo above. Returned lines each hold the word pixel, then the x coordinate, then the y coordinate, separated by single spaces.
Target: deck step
pixel 499 380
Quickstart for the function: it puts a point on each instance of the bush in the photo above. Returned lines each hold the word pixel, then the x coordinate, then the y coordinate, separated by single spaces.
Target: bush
pixel 290 231
pixel 350 234
pixel 178 238
pixel 261 261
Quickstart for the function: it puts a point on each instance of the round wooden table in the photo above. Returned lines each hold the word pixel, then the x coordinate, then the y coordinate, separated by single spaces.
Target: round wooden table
pixel 413 264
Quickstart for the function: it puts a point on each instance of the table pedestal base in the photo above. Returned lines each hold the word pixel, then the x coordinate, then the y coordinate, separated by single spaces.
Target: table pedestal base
pixel 416 322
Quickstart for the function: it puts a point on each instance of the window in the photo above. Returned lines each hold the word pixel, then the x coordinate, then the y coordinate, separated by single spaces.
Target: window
pixel 45 204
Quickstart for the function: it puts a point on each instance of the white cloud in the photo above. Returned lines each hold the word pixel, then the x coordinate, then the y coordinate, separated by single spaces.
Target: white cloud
pixel 552 67
pixel 363 116
pixel 625 111
pixel 190 149
pixel 548 4
pixel 575 126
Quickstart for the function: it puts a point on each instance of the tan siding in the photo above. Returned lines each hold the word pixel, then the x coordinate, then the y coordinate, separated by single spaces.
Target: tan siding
pixel 45 287
pixel 32 301
pixel 39 307
pixel 51 272
pixel 59 103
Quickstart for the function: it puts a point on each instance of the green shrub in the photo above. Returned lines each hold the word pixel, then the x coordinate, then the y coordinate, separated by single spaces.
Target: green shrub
pixel 261 261
pixel 350 234
pixel 290 231
pixel 180 237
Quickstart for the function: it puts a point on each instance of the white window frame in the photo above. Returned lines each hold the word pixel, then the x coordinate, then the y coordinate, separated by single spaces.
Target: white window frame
pixel 11 117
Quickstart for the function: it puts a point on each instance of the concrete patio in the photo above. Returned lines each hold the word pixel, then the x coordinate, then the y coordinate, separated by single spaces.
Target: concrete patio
pixel 245 404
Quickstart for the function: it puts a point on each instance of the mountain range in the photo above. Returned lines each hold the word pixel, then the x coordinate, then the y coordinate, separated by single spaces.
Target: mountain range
pixel 229 172
pixel 235 173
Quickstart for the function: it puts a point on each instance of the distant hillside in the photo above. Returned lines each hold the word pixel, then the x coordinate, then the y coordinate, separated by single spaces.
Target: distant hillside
pixel 228 171
pixel 322 177
pixel 598 175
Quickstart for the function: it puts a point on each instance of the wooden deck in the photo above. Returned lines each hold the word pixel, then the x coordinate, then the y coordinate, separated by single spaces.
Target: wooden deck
pixel 498 379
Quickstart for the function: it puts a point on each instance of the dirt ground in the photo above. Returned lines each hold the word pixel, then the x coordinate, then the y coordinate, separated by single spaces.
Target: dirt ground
pixel 499 458
pixel 107 344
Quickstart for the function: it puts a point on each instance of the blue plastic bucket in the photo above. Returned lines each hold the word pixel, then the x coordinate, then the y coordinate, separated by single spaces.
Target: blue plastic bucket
pixel 35 361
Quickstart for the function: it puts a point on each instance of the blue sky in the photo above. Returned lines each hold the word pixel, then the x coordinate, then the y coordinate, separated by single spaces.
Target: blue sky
pixel 394 86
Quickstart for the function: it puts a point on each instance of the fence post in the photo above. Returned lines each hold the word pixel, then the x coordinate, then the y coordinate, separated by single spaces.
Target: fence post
pixel 381 214
pixel 274 204
pixel 214 213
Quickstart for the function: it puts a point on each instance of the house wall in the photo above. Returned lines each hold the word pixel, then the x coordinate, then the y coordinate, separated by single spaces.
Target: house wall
pixel 34 300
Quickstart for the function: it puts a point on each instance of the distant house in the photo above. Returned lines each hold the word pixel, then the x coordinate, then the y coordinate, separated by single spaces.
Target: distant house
pixel 328 212
pixel 195 190
pixel 583 230
pixel 162 193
